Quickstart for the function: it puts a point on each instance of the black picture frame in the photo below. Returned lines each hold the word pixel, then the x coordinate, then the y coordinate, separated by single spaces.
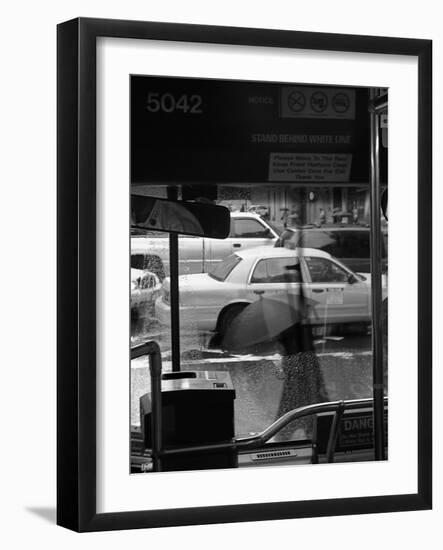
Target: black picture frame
pixel 76 295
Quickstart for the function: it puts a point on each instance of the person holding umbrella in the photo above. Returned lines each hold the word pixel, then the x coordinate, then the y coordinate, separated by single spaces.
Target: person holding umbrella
pixel 303 379
pixel 286 325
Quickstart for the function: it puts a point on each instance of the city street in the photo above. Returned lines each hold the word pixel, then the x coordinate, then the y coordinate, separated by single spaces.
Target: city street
pixel 345 371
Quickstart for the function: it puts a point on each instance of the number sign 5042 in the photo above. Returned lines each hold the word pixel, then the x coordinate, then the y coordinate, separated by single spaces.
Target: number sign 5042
pixel 168 103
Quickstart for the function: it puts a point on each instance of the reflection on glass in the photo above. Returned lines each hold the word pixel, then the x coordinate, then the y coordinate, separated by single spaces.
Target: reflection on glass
pixel 282 304
pixel 172 216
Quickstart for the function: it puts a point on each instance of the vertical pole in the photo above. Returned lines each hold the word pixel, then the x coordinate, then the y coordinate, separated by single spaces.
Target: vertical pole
pixel 376 287
pixel 155 367
pixel 174 292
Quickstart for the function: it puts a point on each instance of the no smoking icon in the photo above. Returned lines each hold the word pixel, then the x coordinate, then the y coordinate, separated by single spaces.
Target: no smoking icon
pixel 296 101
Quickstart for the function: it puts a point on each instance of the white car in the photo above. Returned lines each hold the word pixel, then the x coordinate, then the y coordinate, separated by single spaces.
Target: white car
pixel 201 254
pixel 145 289
pixel 209 301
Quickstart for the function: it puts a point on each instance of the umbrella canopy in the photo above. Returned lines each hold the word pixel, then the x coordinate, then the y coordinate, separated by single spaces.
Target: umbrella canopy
pixel 265 319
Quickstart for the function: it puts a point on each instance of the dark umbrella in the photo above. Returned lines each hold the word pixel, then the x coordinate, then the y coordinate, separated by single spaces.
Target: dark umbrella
pixel 268 319
pixel 265 319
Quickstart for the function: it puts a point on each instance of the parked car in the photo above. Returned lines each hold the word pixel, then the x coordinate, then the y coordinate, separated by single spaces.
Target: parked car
pixel 145 289
pixel 197 254
pixel 348 243
pixel 210 301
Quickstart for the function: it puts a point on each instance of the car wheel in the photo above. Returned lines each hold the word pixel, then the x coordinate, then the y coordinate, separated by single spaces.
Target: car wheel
pixel 226 318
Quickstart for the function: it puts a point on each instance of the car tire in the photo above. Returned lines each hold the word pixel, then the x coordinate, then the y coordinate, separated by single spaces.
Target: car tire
pixel 226 318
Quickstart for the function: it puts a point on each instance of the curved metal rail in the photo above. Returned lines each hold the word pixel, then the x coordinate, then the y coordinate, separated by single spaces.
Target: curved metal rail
pixel 152 349
pixel 258 440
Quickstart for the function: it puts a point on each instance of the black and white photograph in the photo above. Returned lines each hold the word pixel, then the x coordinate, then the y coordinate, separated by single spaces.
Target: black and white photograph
pixel 244 274
pixel 221 288
pixel 258 274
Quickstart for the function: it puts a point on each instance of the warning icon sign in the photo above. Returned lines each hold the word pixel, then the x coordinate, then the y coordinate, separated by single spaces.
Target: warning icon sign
pixel 341 102
pixel 317 102
pixel 296 101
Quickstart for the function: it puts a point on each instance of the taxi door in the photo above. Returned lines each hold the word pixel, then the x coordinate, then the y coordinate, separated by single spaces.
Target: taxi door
pixel 276 278
pixel 341 297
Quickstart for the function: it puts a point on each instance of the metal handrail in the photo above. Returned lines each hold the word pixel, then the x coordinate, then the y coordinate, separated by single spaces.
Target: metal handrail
pixel 379 104
pixel 258 440
pixel 300 412
pixel 152 349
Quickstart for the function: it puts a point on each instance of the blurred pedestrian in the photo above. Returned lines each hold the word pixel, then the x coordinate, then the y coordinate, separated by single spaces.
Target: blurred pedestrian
pixel 294 218
pixel 284 217
pixel 303 380
pixel 355 214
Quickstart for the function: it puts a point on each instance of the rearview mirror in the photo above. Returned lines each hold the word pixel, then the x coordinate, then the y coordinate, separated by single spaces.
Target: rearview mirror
pixel 186 218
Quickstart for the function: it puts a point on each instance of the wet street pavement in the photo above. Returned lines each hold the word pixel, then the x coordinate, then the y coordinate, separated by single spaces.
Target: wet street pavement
pixel 343 371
